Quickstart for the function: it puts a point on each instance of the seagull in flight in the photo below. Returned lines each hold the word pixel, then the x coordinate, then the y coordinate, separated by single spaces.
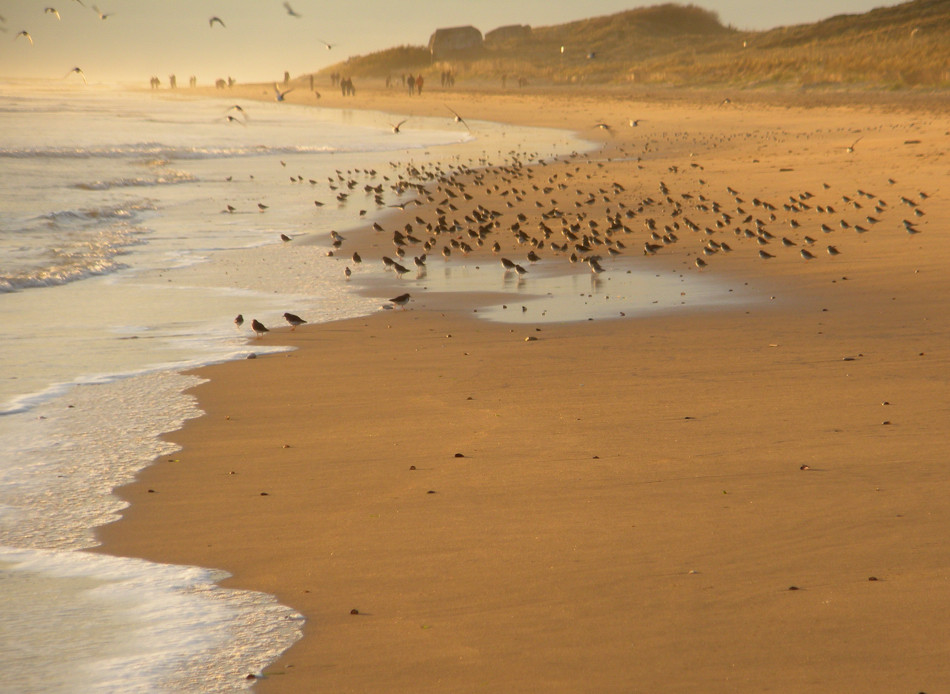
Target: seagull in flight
pixel 328 45
pixel 279 95
pixel 52 11
pixel 290 11
pixel 102 15
pixel 218 20
pixel 634 122
pixel 850 148
pixel 458 118
pixel 79 72
pixel 398 125
pixel 26 35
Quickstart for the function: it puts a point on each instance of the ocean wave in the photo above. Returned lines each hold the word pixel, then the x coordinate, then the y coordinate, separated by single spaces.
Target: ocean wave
pixel 95 214
pixel 157 150
pixel 78 257
pixel 171 178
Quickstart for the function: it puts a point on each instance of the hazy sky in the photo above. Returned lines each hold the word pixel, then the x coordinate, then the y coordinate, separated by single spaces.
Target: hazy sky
pixel 160 37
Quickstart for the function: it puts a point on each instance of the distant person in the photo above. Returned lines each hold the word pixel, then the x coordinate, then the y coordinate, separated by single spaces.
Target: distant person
pixel 311 82
pixel 286 77
pixel 504 81
pixel 412 84
pixel 192 81
pixel 172 82
pixel 419 81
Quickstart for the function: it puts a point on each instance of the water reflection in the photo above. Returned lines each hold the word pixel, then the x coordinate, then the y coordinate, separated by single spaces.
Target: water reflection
pixel 546 294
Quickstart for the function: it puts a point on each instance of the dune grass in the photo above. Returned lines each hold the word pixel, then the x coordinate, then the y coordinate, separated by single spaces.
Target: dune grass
pixel 894 47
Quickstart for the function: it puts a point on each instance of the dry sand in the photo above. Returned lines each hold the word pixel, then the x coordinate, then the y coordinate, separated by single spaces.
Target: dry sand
pixel 753 498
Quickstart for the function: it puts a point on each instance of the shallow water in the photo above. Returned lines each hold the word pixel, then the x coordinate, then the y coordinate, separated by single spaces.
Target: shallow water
pixel 121 267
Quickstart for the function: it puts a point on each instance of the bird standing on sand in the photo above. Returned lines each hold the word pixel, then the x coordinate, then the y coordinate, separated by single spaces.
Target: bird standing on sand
pixel 294 321
pixel 400 300
pixel 258 327
pixel 239 321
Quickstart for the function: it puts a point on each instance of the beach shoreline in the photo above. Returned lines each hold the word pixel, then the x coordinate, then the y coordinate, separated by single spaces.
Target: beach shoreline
pixel 744 497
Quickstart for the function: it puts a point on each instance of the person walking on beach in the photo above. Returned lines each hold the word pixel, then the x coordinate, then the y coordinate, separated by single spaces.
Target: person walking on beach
pixel 412 84
pixel 419 84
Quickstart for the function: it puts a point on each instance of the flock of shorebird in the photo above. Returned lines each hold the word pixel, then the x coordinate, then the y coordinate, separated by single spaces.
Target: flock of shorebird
pixel 526 210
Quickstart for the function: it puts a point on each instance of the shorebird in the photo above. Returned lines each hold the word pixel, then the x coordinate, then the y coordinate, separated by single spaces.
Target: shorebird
pixel 239 321
pixel 79 72
pixel 634 122
pixel 52 11
pixel 765 255
pixel 700 263
pixel 347 272
pixel 850 148
pixel 400 300
pixel 258 327
pixel 279 95
pixel 290 11
pixel 25 34
pixel 293 320
pixel 397 126
pixel 218 20
pixel 458 118
pixel 833 251
pixel 604 126
pixel 356 258
pixel 806 254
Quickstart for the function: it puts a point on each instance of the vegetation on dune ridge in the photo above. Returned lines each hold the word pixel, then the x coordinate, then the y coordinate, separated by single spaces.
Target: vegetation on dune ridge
pixel 907 45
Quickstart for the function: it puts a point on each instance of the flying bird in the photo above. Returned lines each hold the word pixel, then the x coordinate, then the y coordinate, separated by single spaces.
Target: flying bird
pixel 218 20
pixel 458 118
pixel 328 45
pixel 26 35
pixel 290 10
pixel 79 72
pixel 634 122
pixel 279 95
pixel 398 125
pixel 850 148
pixel 52 11
pixel 102 15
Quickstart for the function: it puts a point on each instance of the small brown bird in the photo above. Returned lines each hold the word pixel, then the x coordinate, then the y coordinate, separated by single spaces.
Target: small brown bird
pixel 239 321
pixel 258 327
pixel 294 320
pixel 400 300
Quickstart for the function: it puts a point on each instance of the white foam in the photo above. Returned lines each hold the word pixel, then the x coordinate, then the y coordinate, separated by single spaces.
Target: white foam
pixel 154 627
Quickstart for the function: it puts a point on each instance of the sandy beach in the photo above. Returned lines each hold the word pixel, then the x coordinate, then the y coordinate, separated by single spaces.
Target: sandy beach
pixel 746 498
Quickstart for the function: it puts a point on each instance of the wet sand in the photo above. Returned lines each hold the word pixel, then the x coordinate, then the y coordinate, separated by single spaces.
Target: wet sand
pixel 747 498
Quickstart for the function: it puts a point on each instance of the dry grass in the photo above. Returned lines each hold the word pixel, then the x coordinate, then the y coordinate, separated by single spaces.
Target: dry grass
pixel 894 47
